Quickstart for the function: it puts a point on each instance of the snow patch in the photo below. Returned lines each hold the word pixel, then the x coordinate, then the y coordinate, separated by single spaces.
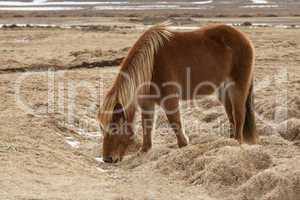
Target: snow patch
pixel 64 3
pixel 100 169
pixel 39 1
pixel 260 1
pixel 151 7
pixel 72 142
pixel 260 6
pixel 99 159
pixel 39 8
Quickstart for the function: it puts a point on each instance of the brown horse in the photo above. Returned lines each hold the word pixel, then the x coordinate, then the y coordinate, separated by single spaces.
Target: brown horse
pixel 165 66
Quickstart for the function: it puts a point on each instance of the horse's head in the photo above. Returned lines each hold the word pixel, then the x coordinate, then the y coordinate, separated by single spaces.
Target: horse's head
pixel 118 135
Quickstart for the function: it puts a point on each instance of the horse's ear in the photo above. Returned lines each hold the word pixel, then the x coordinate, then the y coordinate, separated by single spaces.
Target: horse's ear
pixel 118 113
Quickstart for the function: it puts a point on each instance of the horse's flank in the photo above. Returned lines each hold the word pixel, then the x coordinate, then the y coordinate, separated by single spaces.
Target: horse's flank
pixel 136 69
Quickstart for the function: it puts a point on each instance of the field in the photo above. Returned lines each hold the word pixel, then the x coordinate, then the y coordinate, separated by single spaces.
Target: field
pixel 54 79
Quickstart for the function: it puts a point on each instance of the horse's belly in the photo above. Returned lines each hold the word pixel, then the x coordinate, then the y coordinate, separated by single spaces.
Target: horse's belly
pixel 201 81
pixel 196 90
pixel 185 87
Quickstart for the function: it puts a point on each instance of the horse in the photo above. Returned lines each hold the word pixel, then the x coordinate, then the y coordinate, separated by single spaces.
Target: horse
pixel 218 58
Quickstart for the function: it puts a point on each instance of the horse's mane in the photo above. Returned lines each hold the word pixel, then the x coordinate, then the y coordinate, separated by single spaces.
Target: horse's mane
pixel 136 69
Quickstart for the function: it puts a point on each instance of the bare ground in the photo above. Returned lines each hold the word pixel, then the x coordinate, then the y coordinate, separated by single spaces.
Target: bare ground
pixel 49 146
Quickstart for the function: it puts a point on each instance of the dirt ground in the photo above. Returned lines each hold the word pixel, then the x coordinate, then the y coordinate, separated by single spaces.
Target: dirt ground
pixel 53 80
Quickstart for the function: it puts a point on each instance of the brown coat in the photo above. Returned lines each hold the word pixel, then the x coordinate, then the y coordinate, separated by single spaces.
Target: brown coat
pixel 180 65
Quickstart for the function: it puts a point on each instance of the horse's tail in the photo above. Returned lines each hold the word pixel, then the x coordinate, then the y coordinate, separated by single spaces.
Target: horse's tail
pixel 250 134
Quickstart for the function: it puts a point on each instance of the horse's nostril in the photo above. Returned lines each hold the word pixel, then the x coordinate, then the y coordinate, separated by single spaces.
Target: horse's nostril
pixel 108 159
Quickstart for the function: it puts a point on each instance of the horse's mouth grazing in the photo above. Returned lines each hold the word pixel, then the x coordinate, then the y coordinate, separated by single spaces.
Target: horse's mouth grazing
pixel 111 160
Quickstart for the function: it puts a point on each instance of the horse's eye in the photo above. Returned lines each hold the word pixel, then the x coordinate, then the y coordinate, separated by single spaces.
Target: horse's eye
pixel 101 128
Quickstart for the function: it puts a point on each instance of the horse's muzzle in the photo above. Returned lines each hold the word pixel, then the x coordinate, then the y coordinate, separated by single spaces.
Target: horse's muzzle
pixel 108 159
pixel 111 159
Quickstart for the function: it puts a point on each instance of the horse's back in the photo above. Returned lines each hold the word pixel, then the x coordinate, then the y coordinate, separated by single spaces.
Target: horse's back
pixel 211 54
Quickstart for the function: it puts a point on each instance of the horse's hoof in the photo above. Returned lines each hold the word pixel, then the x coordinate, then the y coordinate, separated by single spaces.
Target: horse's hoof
pixel 144 150
pixel 240 141
pixel 251 141
pixel 181 145
pixel 183 142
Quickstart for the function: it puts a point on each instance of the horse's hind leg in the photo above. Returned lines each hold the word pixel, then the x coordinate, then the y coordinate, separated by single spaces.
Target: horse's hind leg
pixel 223 97
pixel 238 96
pixel 171 108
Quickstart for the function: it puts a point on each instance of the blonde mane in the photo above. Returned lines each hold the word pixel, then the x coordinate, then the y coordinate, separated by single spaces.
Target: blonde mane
pixel 136 69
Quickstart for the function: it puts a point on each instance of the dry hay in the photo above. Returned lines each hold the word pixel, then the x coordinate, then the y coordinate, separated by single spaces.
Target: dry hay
pixel 226 169
pixel 290 129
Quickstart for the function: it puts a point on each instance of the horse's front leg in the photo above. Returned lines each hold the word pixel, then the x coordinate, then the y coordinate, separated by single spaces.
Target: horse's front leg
pixel 148 120
pixel 171 108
